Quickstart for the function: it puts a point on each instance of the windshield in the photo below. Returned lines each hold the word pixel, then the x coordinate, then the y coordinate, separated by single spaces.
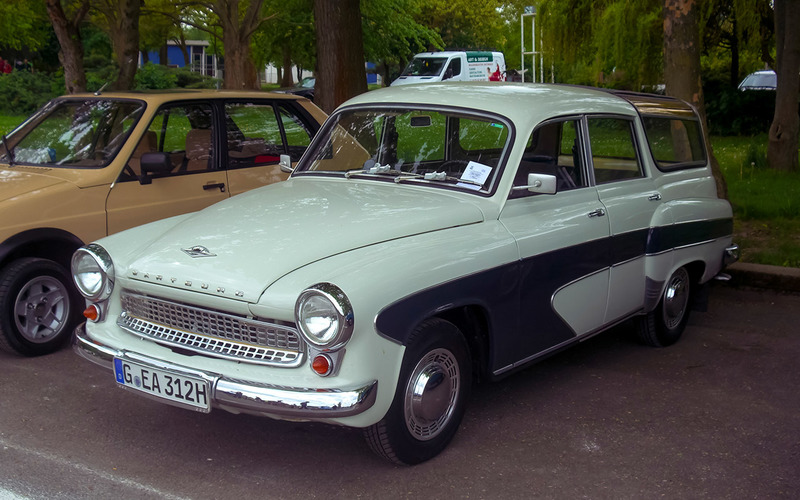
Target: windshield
pixel 765 80
pixel 424 66
pixel 75 133
pixel 416 145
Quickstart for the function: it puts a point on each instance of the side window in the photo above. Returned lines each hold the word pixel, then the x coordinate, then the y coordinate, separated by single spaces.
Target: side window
pixel 674 142
pixel 453 69
pixel 254 135
pixel 614 154
pixel 553 149
pixel 298 134
pixel 184 133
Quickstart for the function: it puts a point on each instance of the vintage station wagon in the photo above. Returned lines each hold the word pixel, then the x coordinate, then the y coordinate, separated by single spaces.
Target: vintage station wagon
pixel 430 236
pixel 86 166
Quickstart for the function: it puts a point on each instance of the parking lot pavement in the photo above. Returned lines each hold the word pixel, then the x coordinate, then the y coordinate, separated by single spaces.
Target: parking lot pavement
pixel 715 416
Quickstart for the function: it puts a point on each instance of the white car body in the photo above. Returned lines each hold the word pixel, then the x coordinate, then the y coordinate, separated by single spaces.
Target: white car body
pixel 519 270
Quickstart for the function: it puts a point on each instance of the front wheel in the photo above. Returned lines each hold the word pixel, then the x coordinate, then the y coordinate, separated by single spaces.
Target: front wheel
pixel 430 398
pixel 38 307
pixel 664 325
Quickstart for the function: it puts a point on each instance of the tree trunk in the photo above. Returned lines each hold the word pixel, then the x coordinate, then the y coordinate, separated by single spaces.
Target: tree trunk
pixel 122 17
pixel 287 66
pixel 240 72
pixel 682 68
pixel 340 52
pixel 163 55
pixel 783 133
pixel 69 37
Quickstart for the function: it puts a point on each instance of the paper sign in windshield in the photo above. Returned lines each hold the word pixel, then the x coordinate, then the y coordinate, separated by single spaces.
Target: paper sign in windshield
pixel 477 173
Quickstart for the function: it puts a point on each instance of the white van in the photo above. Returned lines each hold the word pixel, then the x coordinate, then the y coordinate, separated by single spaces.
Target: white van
pixel 457 65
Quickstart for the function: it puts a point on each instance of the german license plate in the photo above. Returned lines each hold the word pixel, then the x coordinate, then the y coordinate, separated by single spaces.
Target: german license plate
pixel 175 388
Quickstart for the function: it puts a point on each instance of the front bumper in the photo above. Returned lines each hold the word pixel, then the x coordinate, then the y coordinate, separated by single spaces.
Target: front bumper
pixel 252 397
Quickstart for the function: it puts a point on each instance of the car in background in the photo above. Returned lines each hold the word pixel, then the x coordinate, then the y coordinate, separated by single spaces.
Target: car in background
pixel 431 235
pixel 304 88
pixel 760 80
pixel 86 166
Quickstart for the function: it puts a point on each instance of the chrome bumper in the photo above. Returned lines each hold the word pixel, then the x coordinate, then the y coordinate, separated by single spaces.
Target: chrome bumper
pixel 252 397
pixel 731 255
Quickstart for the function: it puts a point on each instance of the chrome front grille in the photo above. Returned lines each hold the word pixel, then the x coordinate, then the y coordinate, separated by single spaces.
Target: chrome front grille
pixel 210 332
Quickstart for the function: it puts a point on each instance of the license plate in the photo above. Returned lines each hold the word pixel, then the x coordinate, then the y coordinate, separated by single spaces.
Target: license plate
pixel 176 388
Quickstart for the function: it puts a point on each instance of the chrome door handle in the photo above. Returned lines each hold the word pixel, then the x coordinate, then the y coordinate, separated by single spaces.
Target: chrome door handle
pixel 597 213
pixel 654 197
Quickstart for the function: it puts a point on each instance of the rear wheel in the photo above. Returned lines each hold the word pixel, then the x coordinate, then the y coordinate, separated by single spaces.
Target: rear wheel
pixel 38 307
pixel 664 325
pixel 430 398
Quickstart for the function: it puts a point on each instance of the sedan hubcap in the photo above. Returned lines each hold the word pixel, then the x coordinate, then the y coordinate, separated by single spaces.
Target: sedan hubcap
pixel 676 298
pixel 431 394
pixel 41 309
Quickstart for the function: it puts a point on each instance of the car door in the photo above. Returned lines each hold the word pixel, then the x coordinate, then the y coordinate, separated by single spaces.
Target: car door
pixel 630 199
pixel 562 240
pixel 185 133
pixel 258 133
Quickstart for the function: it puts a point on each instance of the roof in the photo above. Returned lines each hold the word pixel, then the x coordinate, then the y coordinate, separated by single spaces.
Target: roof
pixel 182 94
pixel 521 102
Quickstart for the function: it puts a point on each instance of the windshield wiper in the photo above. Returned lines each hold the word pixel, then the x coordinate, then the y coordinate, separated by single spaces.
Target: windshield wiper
pixel 376 169
pixel 436 177
pixel 9 151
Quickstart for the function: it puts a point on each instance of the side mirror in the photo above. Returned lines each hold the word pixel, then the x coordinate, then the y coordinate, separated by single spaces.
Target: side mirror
pixel 539 183
pixel 286 164
pixel 154 163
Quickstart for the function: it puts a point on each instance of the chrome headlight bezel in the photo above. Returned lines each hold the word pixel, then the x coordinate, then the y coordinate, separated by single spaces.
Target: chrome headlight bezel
pixel 93 272
pixel 333 307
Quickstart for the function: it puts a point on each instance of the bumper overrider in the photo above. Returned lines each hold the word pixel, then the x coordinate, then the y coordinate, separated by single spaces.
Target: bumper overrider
pixel 247 396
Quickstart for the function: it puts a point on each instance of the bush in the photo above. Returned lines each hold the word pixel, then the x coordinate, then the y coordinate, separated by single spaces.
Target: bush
pixel 158 77
pixel 731 111
pixel 24 92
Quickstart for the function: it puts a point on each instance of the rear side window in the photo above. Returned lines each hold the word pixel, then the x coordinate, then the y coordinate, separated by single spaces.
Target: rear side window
pixel 674 143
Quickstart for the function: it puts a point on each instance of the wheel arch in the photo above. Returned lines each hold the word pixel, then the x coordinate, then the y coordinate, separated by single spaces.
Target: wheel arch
pixel 46 243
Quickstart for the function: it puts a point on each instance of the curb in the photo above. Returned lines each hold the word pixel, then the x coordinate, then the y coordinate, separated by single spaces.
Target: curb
pixel 785 279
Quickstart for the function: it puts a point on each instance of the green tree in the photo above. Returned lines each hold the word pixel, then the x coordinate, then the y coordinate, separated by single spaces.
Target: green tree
pixel 23 24
pixel 287 38
pixel 393 33
pixel 120 19
pixel 66 24
pixel 464 23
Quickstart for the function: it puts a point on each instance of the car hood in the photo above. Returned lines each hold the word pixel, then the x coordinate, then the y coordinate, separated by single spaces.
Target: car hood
pixel 251 240
pixel 18 181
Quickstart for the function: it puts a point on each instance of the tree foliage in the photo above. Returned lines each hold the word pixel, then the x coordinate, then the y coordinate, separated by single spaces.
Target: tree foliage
pixel 23 24
pixel 394 32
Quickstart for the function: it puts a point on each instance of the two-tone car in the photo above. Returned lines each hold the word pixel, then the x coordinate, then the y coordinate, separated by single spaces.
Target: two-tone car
pixel 86 166
pixel 431 236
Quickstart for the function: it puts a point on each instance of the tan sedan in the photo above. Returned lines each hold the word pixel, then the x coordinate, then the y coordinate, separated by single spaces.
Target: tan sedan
pixel 86 166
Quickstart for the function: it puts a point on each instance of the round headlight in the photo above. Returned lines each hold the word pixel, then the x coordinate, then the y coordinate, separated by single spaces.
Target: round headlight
pixel 93 272
pixel 324 316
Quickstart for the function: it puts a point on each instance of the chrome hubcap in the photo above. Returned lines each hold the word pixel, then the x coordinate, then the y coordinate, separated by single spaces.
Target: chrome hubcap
pixel 676 298
pixel 41 310
pixel 431 394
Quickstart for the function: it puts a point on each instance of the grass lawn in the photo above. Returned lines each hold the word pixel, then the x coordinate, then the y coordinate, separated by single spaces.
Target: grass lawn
pixel 7 123
pixel 766 203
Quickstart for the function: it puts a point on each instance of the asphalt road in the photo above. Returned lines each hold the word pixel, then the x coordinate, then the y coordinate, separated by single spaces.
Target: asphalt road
pixel 715 416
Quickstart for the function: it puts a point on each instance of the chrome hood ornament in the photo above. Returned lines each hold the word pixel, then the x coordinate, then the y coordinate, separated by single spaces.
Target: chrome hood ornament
pixel 198 251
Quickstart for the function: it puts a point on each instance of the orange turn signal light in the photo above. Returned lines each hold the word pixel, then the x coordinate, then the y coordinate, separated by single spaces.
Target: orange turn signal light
pixel 92 313
pixel 321 364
